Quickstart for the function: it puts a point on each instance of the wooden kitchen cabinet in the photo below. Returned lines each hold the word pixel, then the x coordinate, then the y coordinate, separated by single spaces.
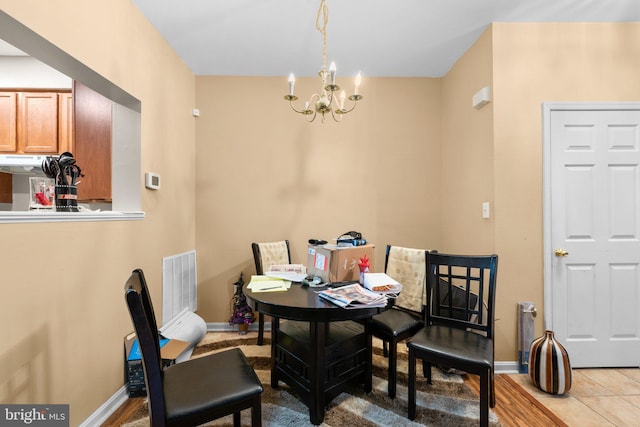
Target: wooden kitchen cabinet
pixel 35 122
pixel 65 122
pixel 6 188
pixel 92 143
pixel 8 123
pixel 53 122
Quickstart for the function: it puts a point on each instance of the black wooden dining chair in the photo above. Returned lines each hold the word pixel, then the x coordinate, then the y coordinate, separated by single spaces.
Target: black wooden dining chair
pixel 196 391
pixel 265 255
pixel 409 267
pixel 459 326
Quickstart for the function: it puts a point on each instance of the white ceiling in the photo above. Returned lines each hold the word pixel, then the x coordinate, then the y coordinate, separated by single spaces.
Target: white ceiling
pixel 404 38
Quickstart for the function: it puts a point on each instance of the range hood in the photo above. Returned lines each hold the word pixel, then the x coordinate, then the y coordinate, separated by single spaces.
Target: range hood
pixel 21 163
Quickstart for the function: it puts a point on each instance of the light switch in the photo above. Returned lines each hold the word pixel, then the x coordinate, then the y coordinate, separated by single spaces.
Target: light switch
pixel 485 210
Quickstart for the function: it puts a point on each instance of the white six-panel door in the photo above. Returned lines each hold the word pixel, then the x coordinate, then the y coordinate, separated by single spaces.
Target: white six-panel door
pixel 592 231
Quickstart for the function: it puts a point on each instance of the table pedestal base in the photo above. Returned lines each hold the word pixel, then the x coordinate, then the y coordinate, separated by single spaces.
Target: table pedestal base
pixel 319 360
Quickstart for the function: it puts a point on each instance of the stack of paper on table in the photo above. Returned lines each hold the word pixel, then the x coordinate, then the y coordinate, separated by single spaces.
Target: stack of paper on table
pixel 380 282
pixel 268 284
pixel 353 296
pixel 292 272
pixel 294 268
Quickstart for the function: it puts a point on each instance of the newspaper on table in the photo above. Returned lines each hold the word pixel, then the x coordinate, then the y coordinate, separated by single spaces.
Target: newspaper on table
pixel 353 296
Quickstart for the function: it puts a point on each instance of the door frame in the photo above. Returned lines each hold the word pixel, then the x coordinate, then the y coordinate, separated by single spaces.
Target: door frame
pixel 547 245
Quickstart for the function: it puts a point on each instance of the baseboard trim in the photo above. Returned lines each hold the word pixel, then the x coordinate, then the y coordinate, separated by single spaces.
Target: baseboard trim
pixel 506 367
pixel 225 327
pixel 115 401
pixel 103 413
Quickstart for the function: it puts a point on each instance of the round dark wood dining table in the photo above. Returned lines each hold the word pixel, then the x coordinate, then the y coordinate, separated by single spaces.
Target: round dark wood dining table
pixel 317 337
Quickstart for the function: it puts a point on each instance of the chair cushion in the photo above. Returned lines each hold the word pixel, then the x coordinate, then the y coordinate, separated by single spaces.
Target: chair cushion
pixel 197 386
pixel 453 347
pixel 273 253
pixel 396 322
pixel 408 267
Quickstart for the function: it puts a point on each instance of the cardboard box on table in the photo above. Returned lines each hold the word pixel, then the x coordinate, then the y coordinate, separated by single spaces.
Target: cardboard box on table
pixel 337 263
pixel 133 370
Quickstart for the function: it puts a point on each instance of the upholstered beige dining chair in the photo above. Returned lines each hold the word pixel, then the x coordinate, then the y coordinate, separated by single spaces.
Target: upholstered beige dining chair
pixel 265 255
pixel 408 267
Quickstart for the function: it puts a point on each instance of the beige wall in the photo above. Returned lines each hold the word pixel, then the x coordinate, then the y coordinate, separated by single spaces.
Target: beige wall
pixel 536 63
pixel 468 173
pixel 409 167
pixel 264 173
pixel 467 154
pixel 62 307
pixel 495 154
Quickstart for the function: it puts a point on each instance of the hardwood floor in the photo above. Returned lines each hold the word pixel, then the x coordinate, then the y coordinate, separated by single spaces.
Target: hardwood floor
pixel 125 412
pixel 514 407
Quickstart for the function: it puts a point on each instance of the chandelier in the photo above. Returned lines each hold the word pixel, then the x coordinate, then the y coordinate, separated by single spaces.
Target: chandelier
pixel 326 101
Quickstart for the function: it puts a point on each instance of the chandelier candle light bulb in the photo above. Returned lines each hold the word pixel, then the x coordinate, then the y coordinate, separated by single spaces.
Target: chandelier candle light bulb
pixel 357 88
pixel 332 73
pixel 292 82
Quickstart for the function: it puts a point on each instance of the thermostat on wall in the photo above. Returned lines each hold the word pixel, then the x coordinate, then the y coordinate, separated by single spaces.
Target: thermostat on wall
pixel 152 181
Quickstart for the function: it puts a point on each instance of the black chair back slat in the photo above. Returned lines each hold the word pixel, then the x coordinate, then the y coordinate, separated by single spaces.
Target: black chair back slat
pixel 142 316
pixel 459 299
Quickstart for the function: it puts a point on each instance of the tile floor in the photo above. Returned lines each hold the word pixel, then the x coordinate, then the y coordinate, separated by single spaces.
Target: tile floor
pixel 598 397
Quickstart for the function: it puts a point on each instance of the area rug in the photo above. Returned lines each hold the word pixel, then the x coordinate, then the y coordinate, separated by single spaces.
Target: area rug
pixel 447 402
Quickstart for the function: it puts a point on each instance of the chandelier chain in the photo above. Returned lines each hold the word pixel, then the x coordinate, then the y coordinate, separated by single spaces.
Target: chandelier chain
pixel 323 13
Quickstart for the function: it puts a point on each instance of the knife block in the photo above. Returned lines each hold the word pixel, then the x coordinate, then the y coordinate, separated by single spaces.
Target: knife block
pixel 66 198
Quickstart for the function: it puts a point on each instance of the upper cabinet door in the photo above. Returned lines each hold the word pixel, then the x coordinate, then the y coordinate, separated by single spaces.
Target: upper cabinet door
pixel 8 122
pixel 38 122
pixel 92 143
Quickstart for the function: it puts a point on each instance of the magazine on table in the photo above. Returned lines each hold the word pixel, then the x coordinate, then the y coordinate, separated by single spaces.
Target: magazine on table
pixel 382 283
pixel 353 296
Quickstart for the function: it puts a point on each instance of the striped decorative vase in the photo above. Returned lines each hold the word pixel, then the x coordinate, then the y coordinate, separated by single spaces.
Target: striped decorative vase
pixel 549 366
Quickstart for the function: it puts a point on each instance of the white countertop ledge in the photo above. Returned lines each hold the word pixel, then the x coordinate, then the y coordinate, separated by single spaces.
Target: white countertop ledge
pixel 9 217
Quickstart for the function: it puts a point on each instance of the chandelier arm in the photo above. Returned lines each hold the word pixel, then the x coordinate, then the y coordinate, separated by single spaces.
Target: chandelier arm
pixel 312 104
pixel 337 116
pixel 311 117
pixel 344 111
pixel 294 108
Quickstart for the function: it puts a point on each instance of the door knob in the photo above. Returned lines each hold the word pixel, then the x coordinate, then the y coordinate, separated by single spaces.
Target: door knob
pixel 561 252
